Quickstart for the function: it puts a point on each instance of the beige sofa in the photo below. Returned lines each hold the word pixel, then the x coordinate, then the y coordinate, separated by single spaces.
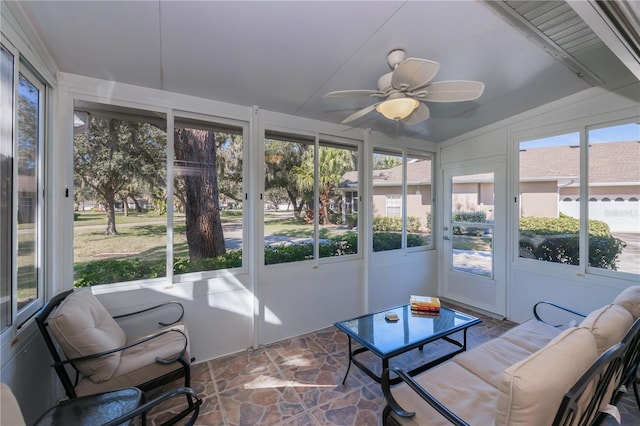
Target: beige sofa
pixel 521 377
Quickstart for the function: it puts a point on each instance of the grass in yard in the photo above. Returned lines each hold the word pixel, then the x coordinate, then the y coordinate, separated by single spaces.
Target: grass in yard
pixel 466 242
pixel 139 238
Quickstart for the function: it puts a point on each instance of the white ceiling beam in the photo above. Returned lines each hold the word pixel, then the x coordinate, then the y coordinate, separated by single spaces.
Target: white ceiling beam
pixel 592 14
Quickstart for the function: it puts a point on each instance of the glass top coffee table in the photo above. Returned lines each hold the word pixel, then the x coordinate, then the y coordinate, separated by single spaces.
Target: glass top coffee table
pixel 387 339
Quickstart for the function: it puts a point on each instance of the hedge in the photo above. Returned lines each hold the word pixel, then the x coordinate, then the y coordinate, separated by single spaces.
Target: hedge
pixel 394 224
pixel 120 270
pixel 557 240
pixel 471 217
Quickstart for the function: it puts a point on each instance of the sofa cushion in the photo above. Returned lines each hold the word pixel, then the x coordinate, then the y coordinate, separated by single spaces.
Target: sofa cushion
pixel 531 335
pixel 532 389
pixel 490 359
pixel 608 325
pixel 474 400
pixel 82 326
pixel 630 300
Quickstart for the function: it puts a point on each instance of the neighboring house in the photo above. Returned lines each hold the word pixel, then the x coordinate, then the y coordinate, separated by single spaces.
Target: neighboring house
pixel 549 185
pixel 387 190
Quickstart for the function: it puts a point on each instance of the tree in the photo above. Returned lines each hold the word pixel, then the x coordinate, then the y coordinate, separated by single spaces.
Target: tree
pixel 196 156
pixel 115 154
pixel 229 165
pixel 281 157
pixel 332 164
pixel 383 162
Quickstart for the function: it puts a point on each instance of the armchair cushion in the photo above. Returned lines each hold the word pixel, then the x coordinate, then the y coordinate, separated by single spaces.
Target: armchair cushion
pixel 531 390
pixel 10 413
pixel 630 300
pixel 608 325
pixel 83 326
pixel 137 364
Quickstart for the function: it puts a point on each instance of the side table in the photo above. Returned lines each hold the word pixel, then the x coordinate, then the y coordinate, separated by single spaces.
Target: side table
pixel 92 409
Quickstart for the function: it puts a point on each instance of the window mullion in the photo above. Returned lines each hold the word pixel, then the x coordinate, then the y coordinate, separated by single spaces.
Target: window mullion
pixel 584 203
pixel 170 190
pixel 316 199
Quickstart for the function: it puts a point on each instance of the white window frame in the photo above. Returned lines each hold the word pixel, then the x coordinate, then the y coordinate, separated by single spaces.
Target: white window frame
pixel 582 127
pixel 22 67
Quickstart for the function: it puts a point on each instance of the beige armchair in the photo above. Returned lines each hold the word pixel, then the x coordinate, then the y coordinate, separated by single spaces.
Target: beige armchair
pixel 94 346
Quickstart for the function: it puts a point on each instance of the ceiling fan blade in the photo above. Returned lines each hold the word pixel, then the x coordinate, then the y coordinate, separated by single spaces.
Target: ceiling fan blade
pixel 360 113
pixel 353 93
pixel 413 73
pixel 454 91
pixel 419 114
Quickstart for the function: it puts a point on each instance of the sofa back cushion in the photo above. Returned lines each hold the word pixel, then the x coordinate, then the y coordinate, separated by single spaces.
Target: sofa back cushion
pixel 630 300
pixel 82 326
pixel 608 325
pixel 531 390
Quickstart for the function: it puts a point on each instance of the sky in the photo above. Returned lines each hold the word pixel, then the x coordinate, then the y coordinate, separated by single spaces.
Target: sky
pixel 624 132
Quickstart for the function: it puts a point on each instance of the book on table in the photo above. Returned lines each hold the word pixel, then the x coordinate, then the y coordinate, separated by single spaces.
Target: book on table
pixel 425 304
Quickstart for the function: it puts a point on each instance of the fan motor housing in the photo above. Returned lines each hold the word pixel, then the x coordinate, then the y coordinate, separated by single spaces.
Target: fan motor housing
pixel 384 82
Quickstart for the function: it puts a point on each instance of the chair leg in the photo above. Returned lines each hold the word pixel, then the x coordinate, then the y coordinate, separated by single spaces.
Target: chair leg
pixel 187 378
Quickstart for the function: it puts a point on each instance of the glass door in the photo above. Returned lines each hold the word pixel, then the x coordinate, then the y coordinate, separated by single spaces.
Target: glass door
pixel 474 260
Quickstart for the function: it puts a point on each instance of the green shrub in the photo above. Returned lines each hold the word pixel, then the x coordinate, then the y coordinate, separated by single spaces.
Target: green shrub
pixel 418 240
pixel 387 223
pixel 413 224
pixel 472 217
pixel 394 224
pixel 118 270
pixel 352 220
pixel 557 240
pixel 383 241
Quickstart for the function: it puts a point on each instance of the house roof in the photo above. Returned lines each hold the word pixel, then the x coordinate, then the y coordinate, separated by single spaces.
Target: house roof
pixel 612 162
pixel 418 173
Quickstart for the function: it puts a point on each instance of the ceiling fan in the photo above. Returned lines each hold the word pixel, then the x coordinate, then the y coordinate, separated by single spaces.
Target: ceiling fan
pixel 407 87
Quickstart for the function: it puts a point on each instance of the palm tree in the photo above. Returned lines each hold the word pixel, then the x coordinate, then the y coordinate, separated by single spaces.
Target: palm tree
pixel 332 164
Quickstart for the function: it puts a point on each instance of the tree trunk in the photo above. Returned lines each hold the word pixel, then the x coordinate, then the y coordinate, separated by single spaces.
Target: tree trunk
pixel 197 150
pixel 324 201
pixel 110 208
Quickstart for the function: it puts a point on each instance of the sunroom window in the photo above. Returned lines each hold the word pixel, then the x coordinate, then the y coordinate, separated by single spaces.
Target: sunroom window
pixel 125 207
pixel 208 195
pixel 551 176
pixel 401 200
pixel 614 175
pixel 21 189
pixel 550 172
pixel 310 204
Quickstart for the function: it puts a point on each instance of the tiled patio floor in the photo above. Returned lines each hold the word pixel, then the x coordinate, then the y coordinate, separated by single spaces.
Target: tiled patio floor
pixel 298 381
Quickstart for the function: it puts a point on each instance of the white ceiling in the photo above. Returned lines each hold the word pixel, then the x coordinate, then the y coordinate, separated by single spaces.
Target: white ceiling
pixel 284 56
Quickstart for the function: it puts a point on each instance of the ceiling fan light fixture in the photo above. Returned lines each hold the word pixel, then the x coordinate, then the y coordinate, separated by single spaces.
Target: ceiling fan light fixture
pixel 397 109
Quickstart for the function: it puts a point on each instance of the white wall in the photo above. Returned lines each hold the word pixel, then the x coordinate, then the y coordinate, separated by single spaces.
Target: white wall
pixel 394 276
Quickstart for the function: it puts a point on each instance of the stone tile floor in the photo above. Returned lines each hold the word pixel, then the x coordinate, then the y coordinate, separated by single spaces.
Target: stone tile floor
pixel 298 381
